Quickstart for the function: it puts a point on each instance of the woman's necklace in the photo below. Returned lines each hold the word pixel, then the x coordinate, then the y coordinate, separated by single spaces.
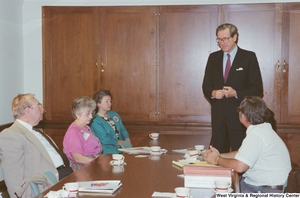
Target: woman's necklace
pixel 105 115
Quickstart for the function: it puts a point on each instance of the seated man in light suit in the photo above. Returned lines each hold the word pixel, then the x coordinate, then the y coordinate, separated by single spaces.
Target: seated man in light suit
pixel 24 151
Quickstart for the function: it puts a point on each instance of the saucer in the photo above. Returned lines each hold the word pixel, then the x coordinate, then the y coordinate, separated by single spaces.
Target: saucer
pixel 160 151
pixel 228 191
pixel 156 153
pixel 174 196
pixel 73 194
pixel 163 150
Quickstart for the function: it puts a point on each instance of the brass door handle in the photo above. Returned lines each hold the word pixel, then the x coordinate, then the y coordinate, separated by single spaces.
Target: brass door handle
pixel 102 67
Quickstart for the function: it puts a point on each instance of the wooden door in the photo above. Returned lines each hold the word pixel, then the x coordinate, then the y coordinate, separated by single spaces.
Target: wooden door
pixel 259 31
pixel 186 38
pixel 69 58
pixel 289 69
pixel 128 57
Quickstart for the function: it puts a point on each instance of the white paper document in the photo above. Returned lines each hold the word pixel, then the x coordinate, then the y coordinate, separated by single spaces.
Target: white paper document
pixel 139 150
pixel 136 150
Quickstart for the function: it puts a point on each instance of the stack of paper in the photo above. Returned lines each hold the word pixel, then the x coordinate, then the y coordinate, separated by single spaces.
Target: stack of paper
pixel 204 176
pixel 100 186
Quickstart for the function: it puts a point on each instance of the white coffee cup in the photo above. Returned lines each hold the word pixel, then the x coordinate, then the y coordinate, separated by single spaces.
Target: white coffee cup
pixel 117 162
pixel 182 192
pixel 199 147
pixel 222 186
pixel 71 186
pixel 118 159
pixel 154 136
pixel 155 148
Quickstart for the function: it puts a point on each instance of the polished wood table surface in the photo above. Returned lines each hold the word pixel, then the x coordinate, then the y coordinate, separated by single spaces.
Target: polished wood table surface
pixel 141 177
pixel 172 142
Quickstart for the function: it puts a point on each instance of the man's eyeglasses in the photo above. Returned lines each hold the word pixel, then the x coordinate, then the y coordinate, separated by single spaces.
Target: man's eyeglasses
pixel 39 105
pixel 225 39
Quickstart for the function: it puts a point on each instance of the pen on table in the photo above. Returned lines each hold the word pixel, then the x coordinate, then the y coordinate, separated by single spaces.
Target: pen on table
pixel 198 162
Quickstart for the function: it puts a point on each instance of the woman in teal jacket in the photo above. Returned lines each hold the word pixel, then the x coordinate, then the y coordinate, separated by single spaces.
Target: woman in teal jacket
pixel 107 125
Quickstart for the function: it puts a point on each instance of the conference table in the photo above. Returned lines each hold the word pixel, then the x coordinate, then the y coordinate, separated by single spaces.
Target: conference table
pixel 143 174
pixel 172 142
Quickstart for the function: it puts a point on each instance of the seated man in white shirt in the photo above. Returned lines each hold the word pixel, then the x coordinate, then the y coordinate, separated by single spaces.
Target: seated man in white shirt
pixel 263 158
pixel 24 151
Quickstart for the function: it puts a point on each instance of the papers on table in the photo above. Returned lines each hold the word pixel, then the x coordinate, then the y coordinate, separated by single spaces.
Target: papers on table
pixel 57 194
pixel 181 163
pixel 183 151
pixel 100 186
pixel 139 150
pixel 136 150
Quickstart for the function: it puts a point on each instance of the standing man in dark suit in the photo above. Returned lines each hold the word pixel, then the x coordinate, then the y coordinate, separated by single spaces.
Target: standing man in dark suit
pixel 231 74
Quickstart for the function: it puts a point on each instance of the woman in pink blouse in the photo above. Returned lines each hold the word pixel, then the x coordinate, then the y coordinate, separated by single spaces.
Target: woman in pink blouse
pixel 80 144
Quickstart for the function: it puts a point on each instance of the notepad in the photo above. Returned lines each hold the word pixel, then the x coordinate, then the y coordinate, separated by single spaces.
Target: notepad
pixel 100 186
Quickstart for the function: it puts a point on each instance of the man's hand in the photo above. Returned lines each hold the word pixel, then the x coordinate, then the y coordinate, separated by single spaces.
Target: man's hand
pixel 229 92
pixel 211 155
pixel 218 94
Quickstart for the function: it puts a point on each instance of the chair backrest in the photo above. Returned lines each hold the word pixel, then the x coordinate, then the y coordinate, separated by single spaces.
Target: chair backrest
pixel 284 186
pixel 51 176
pixel 34 186
pixel 294 180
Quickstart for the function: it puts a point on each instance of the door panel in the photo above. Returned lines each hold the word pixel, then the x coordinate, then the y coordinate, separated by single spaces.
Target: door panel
pixel 289 65
pixel 69 58
pixel 187 37
pixel 128 49
pixel 258 32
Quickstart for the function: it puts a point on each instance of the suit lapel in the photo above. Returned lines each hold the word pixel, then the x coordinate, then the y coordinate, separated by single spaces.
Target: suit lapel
pixel 220 69
pixel 32 138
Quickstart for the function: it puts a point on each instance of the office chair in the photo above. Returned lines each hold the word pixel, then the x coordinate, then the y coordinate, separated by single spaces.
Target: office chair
pixel 34 186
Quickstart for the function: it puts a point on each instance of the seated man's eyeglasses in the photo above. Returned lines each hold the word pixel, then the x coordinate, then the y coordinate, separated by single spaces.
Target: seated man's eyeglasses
pixel 39 105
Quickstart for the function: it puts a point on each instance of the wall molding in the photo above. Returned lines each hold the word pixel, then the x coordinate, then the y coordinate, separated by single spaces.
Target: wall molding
pixel 155 126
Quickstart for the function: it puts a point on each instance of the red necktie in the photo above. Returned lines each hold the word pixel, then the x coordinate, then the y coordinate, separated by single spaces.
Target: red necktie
pixel 228 65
